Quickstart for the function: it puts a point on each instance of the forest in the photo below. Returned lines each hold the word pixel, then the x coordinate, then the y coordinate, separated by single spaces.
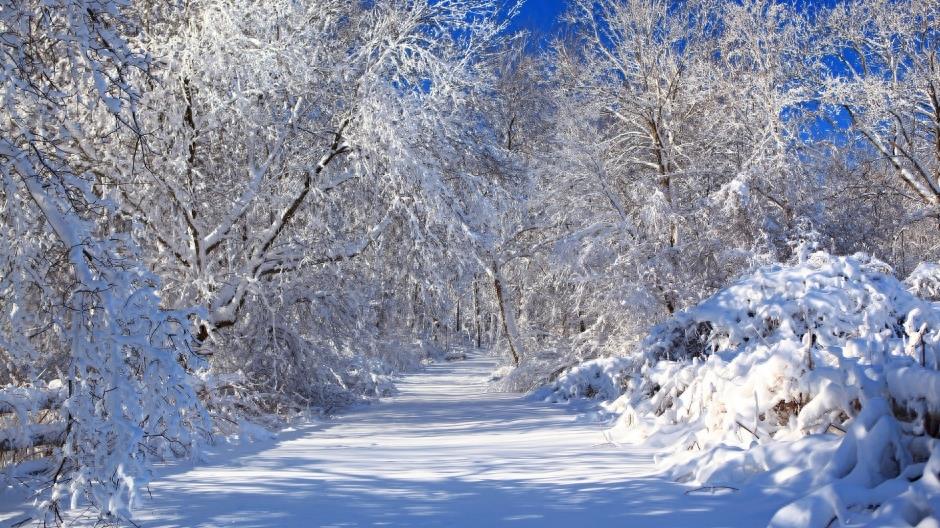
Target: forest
pixel 715 222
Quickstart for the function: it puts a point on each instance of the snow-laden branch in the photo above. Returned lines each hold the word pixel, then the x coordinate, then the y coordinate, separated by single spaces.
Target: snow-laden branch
pixel 257 172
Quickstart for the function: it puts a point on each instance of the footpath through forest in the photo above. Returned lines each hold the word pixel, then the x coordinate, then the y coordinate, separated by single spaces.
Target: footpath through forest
pixel 443 452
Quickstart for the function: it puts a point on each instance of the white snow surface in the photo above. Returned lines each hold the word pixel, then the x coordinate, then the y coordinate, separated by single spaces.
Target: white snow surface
pixel 443 452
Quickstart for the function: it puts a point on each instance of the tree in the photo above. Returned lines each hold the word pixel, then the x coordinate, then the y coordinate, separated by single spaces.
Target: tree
pixel 286 146
pixel 76 299
pixel 878 71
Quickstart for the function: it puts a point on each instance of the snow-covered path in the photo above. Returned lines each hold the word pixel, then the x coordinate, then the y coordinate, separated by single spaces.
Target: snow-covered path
pixel 442 453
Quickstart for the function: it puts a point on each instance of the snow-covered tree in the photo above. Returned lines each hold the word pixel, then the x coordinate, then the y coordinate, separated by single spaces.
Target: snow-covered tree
pixel 285 167
pixel 83 333
pixel 879 71
pixel 876 76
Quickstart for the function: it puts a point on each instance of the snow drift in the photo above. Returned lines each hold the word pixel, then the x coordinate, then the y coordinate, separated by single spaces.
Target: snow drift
pixel 822 375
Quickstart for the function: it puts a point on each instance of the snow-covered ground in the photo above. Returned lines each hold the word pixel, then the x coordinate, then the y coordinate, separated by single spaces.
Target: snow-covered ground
pixel 444 452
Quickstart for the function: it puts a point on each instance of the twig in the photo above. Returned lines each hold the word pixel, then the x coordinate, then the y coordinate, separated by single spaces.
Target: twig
pixel 836 427
pixel 21 522
pixel 742 426
pixel 711 489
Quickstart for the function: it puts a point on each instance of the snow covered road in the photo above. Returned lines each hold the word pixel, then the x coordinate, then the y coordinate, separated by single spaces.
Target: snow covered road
pixel 444 452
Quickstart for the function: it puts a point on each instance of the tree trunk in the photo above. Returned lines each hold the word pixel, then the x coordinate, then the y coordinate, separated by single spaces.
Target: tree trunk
pixel 476 307
pixel 508 316
pixel 413 323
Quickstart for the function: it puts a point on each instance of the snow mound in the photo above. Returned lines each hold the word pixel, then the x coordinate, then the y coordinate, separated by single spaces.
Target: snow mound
pixel 924 281
pixel 599 379
pixel 833 354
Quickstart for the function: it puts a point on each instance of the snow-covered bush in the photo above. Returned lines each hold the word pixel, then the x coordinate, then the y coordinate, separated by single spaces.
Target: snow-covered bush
pixel 543 364
pixel 832 347
pixel 600 379
pixel 924 281
pixel 303 376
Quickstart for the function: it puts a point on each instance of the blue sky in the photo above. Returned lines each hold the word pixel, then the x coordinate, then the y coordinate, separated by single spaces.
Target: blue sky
pixel 540 16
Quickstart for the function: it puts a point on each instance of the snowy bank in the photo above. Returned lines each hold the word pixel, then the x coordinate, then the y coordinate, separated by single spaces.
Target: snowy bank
pixel 821 377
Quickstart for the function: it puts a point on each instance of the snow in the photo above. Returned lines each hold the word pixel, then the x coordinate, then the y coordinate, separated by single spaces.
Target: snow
pixel 819 376
pixel 443 452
